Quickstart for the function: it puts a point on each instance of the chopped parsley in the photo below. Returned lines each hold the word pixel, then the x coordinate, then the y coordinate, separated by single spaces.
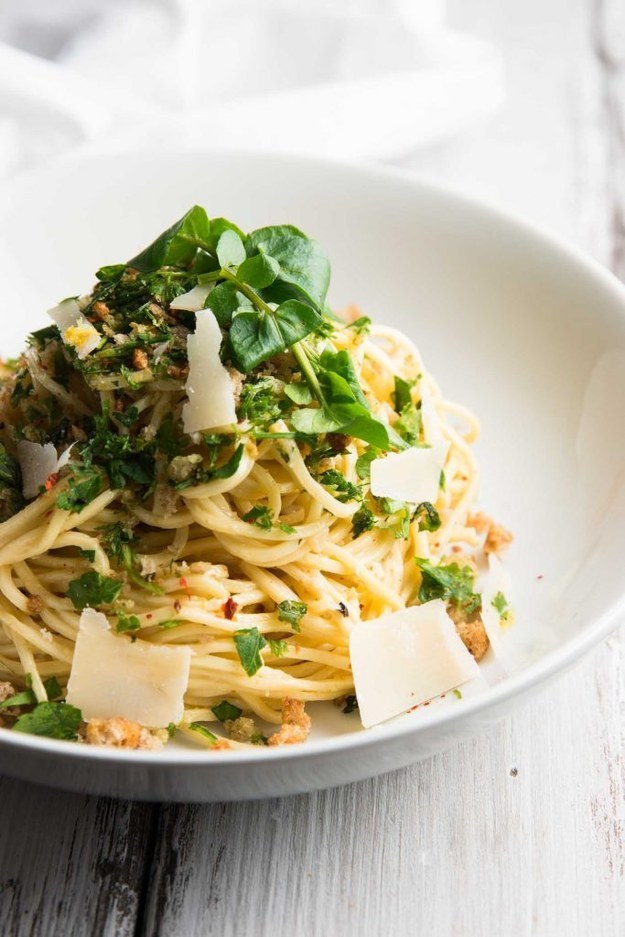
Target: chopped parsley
pixel 204 732
pixel 127 623
pixel 500 604
pixel 291 612
pixel 344 490
pixel 93 589
pixel 81 491
pixel 260 516
pixel 451 582
pixel 249 642
pixel 225 710
pixel 53 720
pixel 278 648
pixel 363 520
pixel 351 704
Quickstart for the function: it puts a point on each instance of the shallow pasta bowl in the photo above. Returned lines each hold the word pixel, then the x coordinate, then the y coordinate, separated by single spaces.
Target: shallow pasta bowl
pixel 526 332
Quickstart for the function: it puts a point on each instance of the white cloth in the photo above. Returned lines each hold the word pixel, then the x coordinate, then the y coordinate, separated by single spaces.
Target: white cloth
pixel 354 79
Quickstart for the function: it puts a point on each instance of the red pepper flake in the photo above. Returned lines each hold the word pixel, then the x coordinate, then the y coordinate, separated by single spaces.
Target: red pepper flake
pixel 149 615
pixel 229 608
pixel 540 577
pixel 177 606
pixel 51 480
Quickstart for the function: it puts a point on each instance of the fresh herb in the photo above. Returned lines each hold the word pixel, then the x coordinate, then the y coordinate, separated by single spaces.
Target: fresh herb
pixel 402 396
pixel 118 541
pixel 202 476
pixel 291 612
pixel 344 490
pixel 259 401
pixel 351 704
pixel 398 517
pixel 278 648
pixel 258 739
pixel 204 732
pixel 170 623
pixel 127 623
pixel 226 710
pixel 451 582
pixel 249 643
pixel 82 490
pixel 93 589
pixel 171 729
pixel 53 720
pixel 500 604
pixel 457 693
pixel 363 463
pixel 363 520
pixel 287 529
pixel 428 517
pixel 88 555
pixel 361 326
pixel 11 499
pixel 260 516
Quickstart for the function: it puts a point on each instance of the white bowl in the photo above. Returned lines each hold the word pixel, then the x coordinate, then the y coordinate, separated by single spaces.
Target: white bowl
pixel 527 332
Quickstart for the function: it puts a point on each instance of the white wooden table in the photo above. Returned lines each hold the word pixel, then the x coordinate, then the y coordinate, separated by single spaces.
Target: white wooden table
pixel 518 833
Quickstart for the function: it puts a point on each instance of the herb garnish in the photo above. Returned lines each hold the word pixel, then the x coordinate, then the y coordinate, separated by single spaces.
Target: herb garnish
pixel 53 720
pixel 249 643
pixel 226 710
pixel 93 589
pixel 451 582
pixel 291 612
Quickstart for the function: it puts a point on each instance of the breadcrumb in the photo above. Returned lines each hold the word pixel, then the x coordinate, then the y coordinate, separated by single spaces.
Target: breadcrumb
pixel 497 537
pixel 34 604
pixel 100 310
pixel 140 359
pixel 241 729
pixel 118 732
pixel 471 630
pixel 295 726
pixel 6 690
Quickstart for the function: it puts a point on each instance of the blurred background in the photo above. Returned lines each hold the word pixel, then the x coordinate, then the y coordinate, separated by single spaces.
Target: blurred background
pixel 518 103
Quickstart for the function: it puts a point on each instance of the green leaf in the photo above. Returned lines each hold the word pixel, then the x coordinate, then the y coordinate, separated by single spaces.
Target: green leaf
pixel 451 582
pixel 258 271
pixel 303 264
pixel 88 555
pixel 299 393
pixel 82 490
pixel 225 300
pixel 93 589
pixel 402 396
pixel 53 720
pixel 127 623
pixel 344 490
pixel 25 698
pixel 229 468
pixel 296 320
pixel 340 363
pixel 363 520
pixel 500 604
pixel 254 337
pixel 217 228
pixel 278 648
pixel 52 688
pixel 178 245
pixel 170 623
pixel 203 731
pixel 226 710
pixel 230 250
pixel 408 426
pixel 260 516
pixel 292 612
pixel 427 516
pixel 351 704
pixel 249 643
pixel 363 463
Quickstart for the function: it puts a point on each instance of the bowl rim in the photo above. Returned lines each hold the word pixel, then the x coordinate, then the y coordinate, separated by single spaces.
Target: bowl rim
pixel 547 666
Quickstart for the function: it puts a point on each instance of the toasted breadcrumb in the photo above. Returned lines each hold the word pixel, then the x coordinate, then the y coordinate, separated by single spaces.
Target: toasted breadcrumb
pixel 6 690
pixel 295 726
pixel 497 537
pixel 34 604
pixel 100 310
pixel 241 729
pixel 471 630
pixel 118 732
pixel 140 359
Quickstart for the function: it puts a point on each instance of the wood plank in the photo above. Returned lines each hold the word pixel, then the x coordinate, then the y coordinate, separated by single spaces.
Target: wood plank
pixel 69 865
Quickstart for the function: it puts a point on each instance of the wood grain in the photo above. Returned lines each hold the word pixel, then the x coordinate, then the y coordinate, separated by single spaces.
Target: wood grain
pixel 518 833
pixel 69 865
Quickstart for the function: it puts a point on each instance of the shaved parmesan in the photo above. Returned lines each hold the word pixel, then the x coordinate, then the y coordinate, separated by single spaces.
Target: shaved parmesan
pixel 37 463
pixel 209 388
pixel 113 676
pixel 494 583
pixel 412 475
pixel 194 300
pixel 406 658
pixel 76 332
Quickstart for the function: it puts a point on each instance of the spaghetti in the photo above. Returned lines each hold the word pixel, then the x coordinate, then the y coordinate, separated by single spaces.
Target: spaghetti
pixel 259 530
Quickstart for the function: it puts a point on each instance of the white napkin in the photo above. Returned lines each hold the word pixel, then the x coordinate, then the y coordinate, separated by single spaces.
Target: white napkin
pixel 354 79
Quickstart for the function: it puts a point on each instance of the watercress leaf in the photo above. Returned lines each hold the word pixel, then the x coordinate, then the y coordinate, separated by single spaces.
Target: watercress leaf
pixel 340 363
pixel 25 698
pixel 298 393
pixel 315 421
pixel 254 337
pixel 226 710
pixel 230 250
pixel 52 688
pixel 401 395
pixel 292 612
pixel 296 320
pixel 177 246
pixel 258 271
pixel 225 300
pixel 370 430
pixel 53 720
pixel 249 643
pixel 303 264
pixel 93 589
pixel 217 228
pixel 363 463
pixel 450 582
